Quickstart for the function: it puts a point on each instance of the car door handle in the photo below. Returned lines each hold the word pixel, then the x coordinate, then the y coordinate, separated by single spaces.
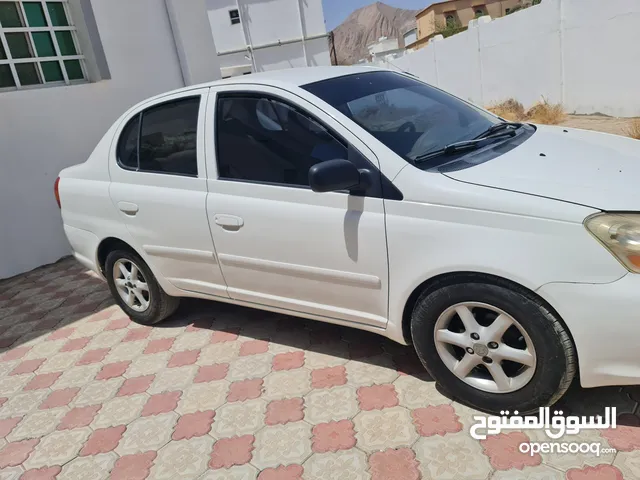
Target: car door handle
pixel 229 222
pixel 128 208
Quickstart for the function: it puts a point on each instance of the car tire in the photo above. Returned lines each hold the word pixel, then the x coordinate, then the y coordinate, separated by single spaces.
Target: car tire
pixel 549 356
pixel 159 305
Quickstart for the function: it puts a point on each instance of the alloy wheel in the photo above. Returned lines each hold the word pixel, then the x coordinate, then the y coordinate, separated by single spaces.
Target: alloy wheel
pixel 131 285
pixel 485 347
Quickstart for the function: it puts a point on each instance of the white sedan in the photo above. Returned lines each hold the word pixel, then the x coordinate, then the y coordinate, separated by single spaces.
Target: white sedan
pixel 507 254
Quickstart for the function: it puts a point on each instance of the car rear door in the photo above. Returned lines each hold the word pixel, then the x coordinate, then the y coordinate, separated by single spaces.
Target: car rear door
pixel 279 243
pixel 159 186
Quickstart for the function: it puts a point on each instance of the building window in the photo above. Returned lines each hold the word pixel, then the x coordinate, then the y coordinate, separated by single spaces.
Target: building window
pixel 451 20
pixel 38 45
pixel 234 15
pixel 479 12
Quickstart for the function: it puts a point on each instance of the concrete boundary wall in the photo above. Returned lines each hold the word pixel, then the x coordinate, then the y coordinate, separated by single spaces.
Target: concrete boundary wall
pixel 584 54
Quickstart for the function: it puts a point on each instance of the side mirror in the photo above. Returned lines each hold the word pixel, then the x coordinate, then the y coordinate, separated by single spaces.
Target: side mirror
pixel 334 175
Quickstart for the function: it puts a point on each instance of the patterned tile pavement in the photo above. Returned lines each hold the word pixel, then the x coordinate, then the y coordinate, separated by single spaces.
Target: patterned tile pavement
pixel 222 392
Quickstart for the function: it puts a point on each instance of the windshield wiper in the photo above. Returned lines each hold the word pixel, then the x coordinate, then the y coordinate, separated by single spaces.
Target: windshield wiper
pixel 499 127
pixel 465 145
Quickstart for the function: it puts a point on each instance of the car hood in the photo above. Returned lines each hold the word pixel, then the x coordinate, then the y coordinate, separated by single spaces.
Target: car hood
pixel 588 168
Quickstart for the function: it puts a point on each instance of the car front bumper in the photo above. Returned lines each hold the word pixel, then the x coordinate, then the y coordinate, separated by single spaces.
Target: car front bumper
pixel 604 321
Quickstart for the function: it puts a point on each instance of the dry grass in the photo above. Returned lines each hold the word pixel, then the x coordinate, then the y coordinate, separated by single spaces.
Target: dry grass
pixel 510 109
pixel 546 113
pixel 542 112
pixel 633 130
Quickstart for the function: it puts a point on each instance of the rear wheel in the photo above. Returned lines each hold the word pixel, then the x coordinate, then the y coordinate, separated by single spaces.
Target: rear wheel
pixel 492 347
pixel 136 290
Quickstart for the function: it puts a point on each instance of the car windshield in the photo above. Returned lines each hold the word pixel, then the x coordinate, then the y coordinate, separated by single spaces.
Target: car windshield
pixel 410 117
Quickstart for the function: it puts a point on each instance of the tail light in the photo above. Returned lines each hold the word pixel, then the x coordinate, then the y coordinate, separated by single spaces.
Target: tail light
pixel 56 191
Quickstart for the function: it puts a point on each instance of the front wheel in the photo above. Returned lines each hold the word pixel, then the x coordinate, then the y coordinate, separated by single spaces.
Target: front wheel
pixel 493 348
pixel 136 290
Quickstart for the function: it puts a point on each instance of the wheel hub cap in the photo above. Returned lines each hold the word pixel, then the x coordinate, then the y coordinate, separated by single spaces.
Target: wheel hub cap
pixel 480 349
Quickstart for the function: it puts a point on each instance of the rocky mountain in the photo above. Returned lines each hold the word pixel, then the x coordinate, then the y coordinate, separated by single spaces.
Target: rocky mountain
pixel 365 26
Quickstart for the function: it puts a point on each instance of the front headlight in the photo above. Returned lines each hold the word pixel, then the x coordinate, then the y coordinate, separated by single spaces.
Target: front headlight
pixel 620 233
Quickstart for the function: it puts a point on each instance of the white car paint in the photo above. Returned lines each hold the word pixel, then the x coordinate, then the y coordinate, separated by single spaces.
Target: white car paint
pixel 356 261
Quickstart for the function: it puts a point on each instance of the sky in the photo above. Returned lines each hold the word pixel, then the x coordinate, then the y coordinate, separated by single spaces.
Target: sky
pixel 335 11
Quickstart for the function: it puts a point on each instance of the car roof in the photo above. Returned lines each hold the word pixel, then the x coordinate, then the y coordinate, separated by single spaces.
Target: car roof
pixel 290 77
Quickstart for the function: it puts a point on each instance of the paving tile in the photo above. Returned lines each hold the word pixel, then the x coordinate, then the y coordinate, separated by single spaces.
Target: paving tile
pixel 107 339
pixel 456 456
pixel 541 472
pixel 126 351
pixel 27 366
pixel 602 471
pixel 133 386
pixel 60 361
pixel 93 356
pixel 253 366
pixel 203 396
pixel 284 411
pixel 98 392
pixel 147 433
pixel 77 376
pixel 120 411
pixel 161 403
pixel 37 424
pixel 351 464
pixel 400 464
pixel 11 473
pixel 133 467
pixel 218 353
pixel 185 459
pixel 436 420
pixel 147 364
pixel 289 472
pixel 190 341
pixel 7 425
pixel 416 393
pixel 103 440
pixel 14 454
pixel 377 397
pixel 79 417
pixel 282 445
pixel 209 373
pixel 287 384
pixel 58 448
pixel 59 398
pixel 245 390
pixel 228 452
pixel 42 473
pixel 158 345
pixel 388 428
pixel 22 403
pixel 288 360
pixel 239 418
pixel 371 371
pixel 333 436
pixel 186 357
pixel 325 405
pixel 193 425
pixel 12 385
pixel 95 467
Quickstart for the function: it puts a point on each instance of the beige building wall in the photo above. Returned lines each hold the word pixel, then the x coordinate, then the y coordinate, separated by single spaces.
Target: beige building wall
pixel 435 16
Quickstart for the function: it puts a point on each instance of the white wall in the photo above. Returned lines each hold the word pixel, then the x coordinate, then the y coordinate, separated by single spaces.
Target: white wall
pixel 582 53
pixel 264 23
pixel 45 130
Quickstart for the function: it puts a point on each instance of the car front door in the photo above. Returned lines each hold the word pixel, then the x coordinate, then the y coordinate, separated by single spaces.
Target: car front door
pixel 158 184
pixel 279 243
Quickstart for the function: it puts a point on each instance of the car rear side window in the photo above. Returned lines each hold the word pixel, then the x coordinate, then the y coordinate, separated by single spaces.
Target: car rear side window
pixel 128 145
pixel 262 139
pixel 162 139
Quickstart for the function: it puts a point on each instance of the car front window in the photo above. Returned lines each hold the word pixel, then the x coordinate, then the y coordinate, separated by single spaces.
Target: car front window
pixel 408 116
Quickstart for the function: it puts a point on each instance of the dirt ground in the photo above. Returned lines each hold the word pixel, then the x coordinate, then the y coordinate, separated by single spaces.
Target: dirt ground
pixel 600 123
